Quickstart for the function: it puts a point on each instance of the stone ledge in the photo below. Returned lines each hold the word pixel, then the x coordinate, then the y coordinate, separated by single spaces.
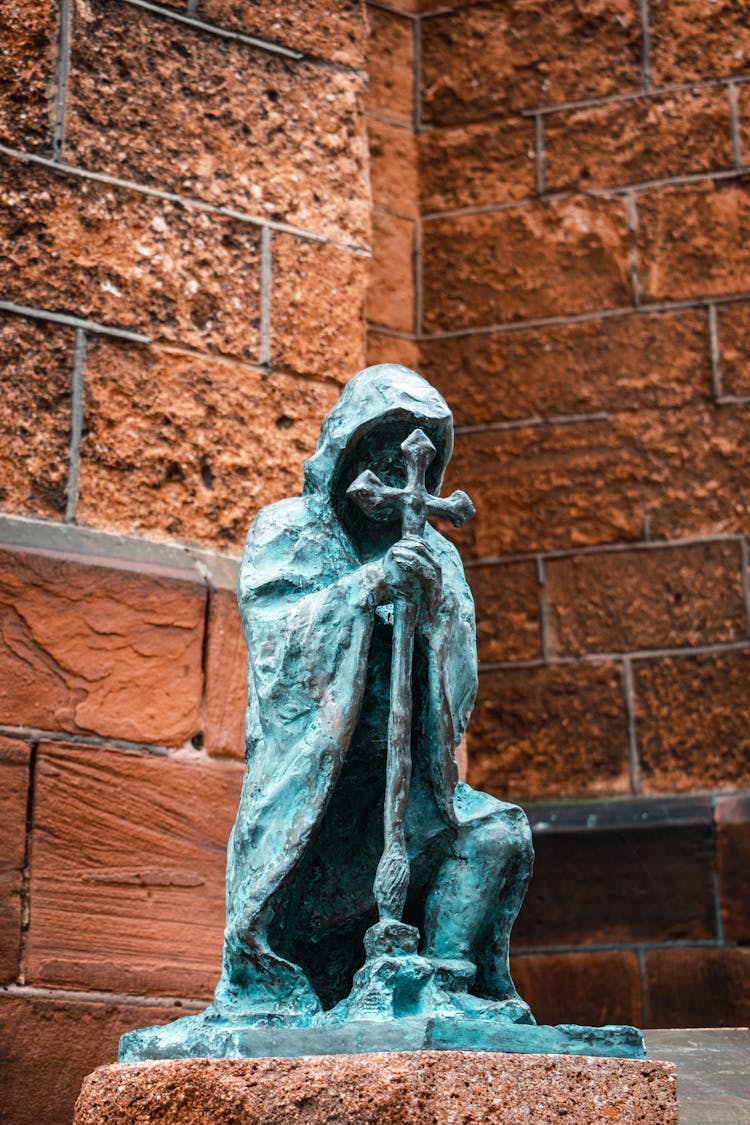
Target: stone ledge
pixel 411 1088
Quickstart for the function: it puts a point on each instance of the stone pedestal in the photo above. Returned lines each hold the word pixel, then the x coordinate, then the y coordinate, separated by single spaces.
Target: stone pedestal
pixel 409 1088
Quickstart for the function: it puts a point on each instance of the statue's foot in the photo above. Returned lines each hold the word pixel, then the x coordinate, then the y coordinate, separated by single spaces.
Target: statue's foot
pixel 511 1010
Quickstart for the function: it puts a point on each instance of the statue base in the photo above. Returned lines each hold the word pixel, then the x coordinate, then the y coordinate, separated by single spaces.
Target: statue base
pixel 419 1088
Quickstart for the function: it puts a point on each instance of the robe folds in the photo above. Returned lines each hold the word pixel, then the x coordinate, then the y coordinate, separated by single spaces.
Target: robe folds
pixel 309 831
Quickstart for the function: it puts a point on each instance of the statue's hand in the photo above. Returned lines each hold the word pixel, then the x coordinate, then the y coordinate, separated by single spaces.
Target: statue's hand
pixel 411 570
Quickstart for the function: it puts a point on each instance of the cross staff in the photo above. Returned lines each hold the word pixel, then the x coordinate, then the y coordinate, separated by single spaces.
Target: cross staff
pixel 414 505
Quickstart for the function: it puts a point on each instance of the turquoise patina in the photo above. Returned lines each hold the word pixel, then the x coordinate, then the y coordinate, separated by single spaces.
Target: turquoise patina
pixel 370 893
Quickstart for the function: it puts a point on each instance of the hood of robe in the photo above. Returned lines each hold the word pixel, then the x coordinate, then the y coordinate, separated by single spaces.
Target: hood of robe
pixel 376 396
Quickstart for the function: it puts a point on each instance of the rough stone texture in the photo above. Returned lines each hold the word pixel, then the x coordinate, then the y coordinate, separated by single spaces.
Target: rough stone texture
pixel 557 731
pixel 37 366
pixel 593 988
pixel 97 647
pixel 336 30
pixel 225 694
pixel 188 446
pixel 527 262
pixel 698 987
pixel 644 139
pixel 692 721
pixel 317 300
pixel 154 101
pixel 27 74
pixel 734 333
pixel 612 364
pixel 76 246
pixel 132 846
pixel 733 863
pixel 390 296
pixel 14 785
pixel 661 598
pixel 476 165
pixel 691 241
pixel 393 167
pixel 407 1088
pixel 508 614
pixel 643 884
pixel 688 42
pixel 382 348
pixel 390 91
pixel 486 59
pixel 560 486
pixel 48 1046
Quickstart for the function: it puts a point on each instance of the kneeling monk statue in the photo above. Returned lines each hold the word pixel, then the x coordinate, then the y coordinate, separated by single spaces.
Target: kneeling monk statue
pixel 370 894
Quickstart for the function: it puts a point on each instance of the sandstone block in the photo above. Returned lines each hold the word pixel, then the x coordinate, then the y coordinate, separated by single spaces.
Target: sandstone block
pixel 685 45
pixel 28 74
pixel 733 862
pixel 485 59
pixel 625 600
pixel 688 987
pixel 154 101
pixel 336 30
pixel 317 300
pixel 37 364
pixel 554 731
pixel 644 139
pixel 476 165
pixel 134 847
pixel 691 241
pixel 524 263
pixel 507 607
pixel 390 92
pixel 97 647
pixel 734 362
pixel 390 295
pixel 691 721
pixel 393 167
pixel 48 1047
pixel 225 694
pixel 14 786
pixel 411 1087
pixel 382 348
pixel 613 364
pixel 189 446
pixel 595 988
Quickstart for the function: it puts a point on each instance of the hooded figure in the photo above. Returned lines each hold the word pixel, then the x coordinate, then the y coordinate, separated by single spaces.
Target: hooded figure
pixel 317 585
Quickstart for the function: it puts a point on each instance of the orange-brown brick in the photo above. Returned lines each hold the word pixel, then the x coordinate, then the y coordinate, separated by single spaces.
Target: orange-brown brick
pixel 390 296
pixel 585 988
pixel 612 364
pixel 526 262
pixel 632 141
pixel 50 1045
pixel 476 165
pixel 393 167
pixel 329 30
pixel 734 343
pixel 97 647
pixel 114 255
pixel 37 365
pixel 507 608
pixel 133 846
pixel 692 241
pixel 692 39
pixel 482 59
pixel 14 787
pixel 27 74
pixel 691 721
pixel 390 91
pixel 555 731
pixel 382 348
pixel 317 301
pixel 698 987
pixel 188 446
pixel 225 692
pixel 733 863
pixel 621 601
pixel 154 101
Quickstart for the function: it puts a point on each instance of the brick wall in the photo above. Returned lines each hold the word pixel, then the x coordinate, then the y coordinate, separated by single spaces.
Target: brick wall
pixel 557 217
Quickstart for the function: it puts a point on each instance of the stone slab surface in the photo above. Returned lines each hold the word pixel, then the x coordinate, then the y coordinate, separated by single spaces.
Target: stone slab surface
pixel 411 1088
pixel 713 1072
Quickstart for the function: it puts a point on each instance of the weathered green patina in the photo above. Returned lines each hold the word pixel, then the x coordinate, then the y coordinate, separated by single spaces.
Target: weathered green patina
pixel 370 894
